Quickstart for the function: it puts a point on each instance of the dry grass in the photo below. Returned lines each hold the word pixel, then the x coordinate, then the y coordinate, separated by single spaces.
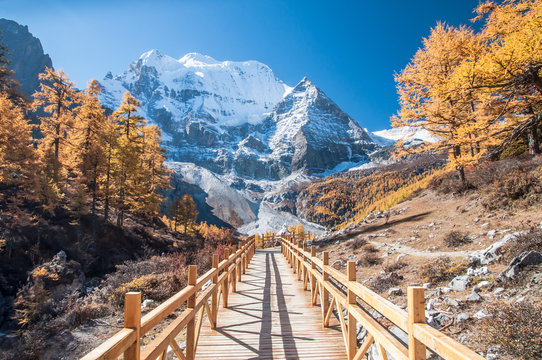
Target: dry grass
pixel 358 243
pixel 442 269
pixel 456 239
pixel 370 259
pixel 516 328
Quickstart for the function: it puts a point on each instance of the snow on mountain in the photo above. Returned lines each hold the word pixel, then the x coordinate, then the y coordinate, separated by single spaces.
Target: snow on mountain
pixel 240 134
pixel 410 135
pixel 230 92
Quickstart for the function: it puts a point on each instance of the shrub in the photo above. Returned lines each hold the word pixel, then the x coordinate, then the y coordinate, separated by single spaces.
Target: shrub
pixel 516 328
pixel 527 242
pixel 359 242
pixel 442 269
pixel 394 266
pixel 520 184
pixel 456 238
pixel 516 148
pixel 383 283
pixel 369 259
pixel 158 287
pixel 82 312
pixel 369 248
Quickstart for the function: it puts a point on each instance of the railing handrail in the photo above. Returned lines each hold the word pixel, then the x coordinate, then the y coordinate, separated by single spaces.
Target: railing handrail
pixel 421 335
pixel 127 340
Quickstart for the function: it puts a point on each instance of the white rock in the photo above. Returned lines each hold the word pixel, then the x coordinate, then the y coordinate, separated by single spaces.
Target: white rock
pixel 463 317
pixel 491 233
pixel 395 292
pixel 431 236
pixel 485 224
pixel 473 297
pixel 426 285
pixel 476 220
pixel 459 283
pixel 401 256
pixel 482 285
pixel 481 315
pixel 498 291
pixel 147 303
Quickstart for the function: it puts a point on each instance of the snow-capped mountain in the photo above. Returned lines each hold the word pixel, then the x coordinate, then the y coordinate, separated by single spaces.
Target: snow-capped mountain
pixel 238 124
pixel 410 136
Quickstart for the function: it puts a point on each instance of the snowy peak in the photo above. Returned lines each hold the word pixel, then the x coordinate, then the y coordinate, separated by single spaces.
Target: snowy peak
pixel 409 135
pixel 196 59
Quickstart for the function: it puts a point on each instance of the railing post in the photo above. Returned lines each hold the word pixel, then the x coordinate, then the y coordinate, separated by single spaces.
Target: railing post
pixel 132 320
pixel 191 304
pixel 305 267
pixel 214 296
pixel 226 283
pixel 313 278
pixel 299 261
pixel 323 291
pixel 234 271
pixel 352 323
pixel 416 314
pixel 240 264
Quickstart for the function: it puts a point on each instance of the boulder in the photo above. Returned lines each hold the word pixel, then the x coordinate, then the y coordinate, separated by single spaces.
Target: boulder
pixel 519 262
pixel 395 292
pixel 459 283
pixel 473 297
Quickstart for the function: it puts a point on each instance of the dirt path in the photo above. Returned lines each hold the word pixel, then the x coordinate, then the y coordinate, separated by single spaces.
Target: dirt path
pixel 407 250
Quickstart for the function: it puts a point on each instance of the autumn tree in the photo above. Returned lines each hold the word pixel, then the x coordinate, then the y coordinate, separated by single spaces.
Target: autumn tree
pixel 176 212
pixel 512 72
pixel 109 142
pixel 432 96
pixel 190 213
pixel 89 132
pixel 57 97
pixel 17 160
pixel 8 85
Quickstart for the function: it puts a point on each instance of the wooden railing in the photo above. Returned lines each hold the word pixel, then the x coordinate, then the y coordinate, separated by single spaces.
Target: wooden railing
pixel 339 291
pixel 194 302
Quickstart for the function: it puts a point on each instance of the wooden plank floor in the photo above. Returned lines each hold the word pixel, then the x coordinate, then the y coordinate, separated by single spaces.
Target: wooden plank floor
pixel 270 317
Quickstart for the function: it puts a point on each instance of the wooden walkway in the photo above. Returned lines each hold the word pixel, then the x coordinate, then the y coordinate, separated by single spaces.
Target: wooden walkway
pixel 270 317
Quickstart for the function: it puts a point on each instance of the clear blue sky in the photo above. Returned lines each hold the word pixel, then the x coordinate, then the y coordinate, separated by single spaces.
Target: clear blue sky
pixel 350 49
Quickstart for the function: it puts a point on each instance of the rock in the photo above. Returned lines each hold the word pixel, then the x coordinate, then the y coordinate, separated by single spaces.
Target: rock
pixel 148 303
pixel 491 233
pixel 426 285
pixel 463 317
pixel 442 290
pixel 498 291
pixel 485 225
pixel 481 315
pixel 482 285
pixel 432 303
pixel 473 297
pixel 401 256
pixel 476 220
pixel 395 292
pixel 459 283
pixel 490 215
pixel 492 252
pixel 519 262
pixel 451 302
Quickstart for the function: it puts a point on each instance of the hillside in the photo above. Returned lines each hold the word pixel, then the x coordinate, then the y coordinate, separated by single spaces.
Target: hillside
pixel 465 247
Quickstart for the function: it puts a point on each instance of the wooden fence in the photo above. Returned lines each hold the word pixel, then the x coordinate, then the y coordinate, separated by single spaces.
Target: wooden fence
pixel 336 290
pixel 193 299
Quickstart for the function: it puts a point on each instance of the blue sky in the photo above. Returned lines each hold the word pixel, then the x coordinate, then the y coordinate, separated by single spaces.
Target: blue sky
pixel 350 49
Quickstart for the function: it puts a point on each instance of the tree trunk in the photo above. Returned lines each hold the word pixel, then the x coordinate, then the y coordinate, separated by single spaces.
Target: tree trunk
pixel 534 145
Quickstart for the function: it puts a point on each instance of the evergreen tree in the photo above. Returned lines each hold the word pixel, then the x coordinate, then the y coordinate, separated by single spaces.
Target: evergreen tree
pixel 57 97
pixel 434 98
pixel 17 158
pixel 190 213
pixel 512 72
pixel 90 122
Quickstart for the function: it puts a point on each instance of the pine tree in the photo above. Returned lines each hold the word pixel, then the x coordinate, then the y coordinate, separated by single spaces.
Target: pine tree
pixel 433 96
pixel 89 128
pixel 176 212
pixel 128 115
pixel 512 72
pixel 8 85
pixel 109 142
pixel 190 213
pixel 17 158
pixel 57 97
